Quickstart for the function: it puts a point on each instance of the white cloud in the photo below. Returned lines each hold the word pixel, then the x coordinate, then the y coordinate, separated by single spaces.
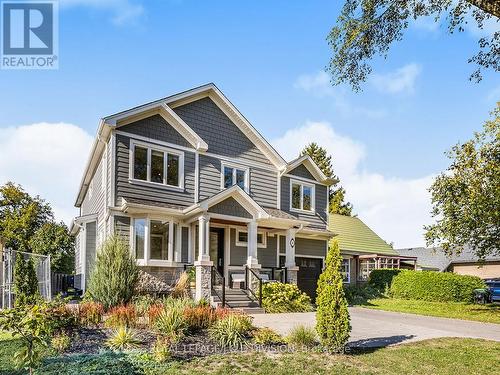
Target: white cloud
pixel 402 80
pixel 46 159
pixel 396 208
pixel 124 11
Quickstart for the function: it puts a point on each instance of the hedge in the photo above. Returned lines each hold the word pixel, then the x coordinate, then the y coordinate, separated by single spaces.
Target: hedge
pixel 382 277
pixel 434 286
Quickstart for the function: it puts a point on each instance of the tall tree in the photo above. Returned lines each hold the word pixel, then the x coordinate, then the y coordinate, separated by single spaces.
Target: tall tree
pixel 466 197
pixel 366 28
pixel 336 192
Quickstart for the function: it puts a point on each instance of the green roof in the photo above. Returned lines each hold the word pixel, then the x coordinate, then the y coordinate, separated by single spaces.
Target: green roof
pixel 354 235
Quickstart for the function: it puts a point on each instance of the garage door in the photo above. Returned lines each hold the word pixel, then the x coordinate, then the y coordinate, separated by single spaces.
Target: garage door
pixel 308 275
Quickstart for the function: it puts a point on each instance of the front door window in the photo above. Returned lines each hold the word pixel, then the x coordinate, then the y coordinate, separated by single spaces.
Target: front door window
pixel 216 248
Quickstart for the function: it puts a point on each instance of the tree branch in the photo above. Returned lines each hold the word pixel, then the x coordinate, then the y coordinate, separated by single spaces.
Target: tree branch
pixel 488 6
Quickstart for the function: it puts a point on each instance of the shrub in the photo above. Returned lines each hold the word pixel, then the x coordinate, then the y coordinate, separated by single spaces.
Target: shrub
pixel 90 313
pixel 381 279
pixel 143 303
pixel 222 312
pixel 161 350
pixel 178 303
pixel 153 312
pixel 332 317
pixel 360 294
pixel 115 274
pixel 302 336
pixel 435 286
pixel 199 317
pixel 266 336
pixel 279 298
pixel 121 316
pixel 60 343
pixel 171 322
pixel 231 330
pixel 181 287
pixel 25 281
pixel 123 338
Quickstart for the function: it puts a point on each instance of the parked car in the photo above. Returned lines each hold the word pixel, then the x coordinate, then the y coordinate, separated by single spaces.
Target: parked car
pixel 494 287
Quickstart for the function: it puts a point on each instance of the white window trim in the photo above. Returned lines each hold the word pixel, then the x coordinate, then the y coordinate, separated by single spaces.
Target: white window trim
pixel 235 167
pixel 348 269
pixel 244 244
pixel 166 151
pixel 313 196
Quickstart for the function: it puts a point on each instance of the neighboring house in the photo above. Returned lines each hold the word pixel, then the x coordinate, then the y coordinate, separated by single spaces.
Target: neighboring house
pixel 362 249
pixel 466 263
pixel 188 180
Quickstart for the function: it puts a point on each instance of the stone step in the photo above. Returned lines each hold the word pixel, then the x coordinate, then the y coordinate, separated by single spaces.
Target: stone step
pixel 252 310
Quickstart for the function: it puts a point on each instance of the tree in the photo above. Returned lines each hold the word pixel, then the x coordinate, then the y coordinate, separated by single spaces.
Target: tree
pixel 25 281
pixel 54 239
pixel 332 317
pixel 115 274
pixel 466 197
pixel 336 194
pixel 21 216
pixel 366 28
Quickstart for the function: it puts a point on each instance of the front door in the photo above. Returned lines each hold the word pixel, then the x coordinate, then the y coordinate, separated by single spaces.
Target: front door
pixel 217 248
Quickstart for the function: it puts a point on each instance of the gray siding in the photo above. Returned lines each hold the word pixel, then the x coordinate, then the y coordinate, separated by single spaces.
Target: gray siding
pixel 155 127
pixel 122 227
pixel 210 177
pixel 306 246
pixel 150 192
pixel 94 203
pixel 238 254
pixel 263 187
pixel 90 249
pixel 184 245
pixel 302 171
pixel 109 166
pixel 230 207
pixel 78 249
pixel 318 219
pixel 221 134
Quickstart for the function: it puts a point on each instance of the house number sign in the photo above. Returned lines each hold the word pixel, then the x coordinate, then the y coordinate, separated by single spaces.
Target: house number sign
pixel 292 242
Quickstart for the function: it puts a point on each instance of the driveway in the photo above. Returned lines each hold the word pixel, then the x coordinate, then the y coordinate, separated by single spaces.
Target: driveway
pixel 375 328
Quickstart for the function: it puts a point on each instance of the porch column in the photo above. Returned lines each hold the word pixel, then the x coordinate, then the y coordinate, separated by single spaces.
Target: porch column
pixel 291 268
pixel 203 265
pixel 252 261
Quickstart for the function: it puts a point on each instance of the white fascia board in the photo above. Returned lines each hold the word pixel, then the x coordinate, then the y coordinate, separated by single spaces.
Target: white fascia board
pixel 311 166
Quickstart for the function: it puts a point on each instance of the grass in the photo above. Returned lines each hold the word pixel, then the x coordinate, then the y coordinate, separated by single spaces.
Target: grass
pixel 457 310
pixel 445 356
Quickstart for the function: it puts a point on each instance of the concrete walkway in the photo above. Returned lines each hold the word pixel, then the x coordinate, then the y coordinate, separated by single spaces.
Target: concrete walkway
pixel 375 328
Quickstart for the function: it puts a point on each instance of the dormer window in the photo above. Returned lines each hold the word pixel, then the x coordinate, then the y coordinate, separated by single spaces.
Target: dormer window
pixel 301 196
pixel 234 175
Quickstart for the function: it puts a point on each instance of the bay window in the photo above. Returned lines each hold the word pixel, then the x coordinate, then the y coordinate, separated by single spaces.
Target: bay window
pixel 301 196
pixel 156 165
pixel 232 175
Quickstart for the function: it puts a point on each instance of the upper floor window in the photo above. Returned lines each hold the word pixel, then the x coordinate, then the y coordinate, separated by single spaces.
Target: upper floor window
pixel 301 196
pixel 157 165
pixel 232 175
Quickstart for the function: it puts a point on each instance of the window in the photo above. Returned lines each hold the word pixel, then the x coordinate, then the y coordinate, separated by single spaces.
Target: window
pixel 242 238
pixel 158 240
pixel 234 176
pixel 366 266
pixel 139 236
pixel 301 196
pixel 345 270
pixel 159 166
pixel 388 263
pixel 151 241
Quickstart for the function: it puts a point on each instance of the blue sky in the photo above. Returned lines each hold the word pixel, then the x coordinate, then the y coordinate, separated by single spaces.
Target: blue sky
pixel 267 57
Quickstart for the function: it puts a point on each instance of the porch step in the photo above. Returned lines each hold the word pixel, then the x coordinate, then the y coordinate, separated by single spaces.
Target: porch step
pixel 235 298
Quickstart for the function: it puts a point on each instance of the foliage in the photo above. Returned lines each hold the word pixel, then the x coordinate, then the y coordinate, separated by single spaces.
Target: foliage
pixel 279 298
pixel 143 303
pixel 435 286
pixel 380 279
pixel 54 239
pixel 60 316
pixel 31 325
pixel 153 312
pixel 366 28
pixel 178 303
pixel 123 338
pixel 332 317
pixel 231 330
pixel 199 317
pixel 161 350
pixel 90 313
pixel 302 336
pixel 466 197
pixel 360 294
pixel 336 193
pixel 181 287
pixel 25 281
pixel 115 274
pixel 266 336
pixel 171 323
pixel 61 342
pixel 124 315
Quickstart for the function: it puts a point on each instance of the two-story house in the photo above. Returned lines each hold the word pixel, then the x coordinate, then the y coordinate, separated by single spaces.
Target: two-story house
pixel 188 180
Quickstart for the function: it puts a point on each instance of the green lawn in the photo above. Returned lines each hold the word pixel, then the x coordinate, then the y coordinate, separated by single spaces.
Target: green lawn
pixel 480 313
pixel 439 356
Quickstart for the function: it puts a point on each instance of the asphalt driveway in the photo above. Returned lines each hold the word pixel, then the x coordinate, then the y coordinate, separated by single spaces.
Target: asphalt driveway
pixel 375 328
